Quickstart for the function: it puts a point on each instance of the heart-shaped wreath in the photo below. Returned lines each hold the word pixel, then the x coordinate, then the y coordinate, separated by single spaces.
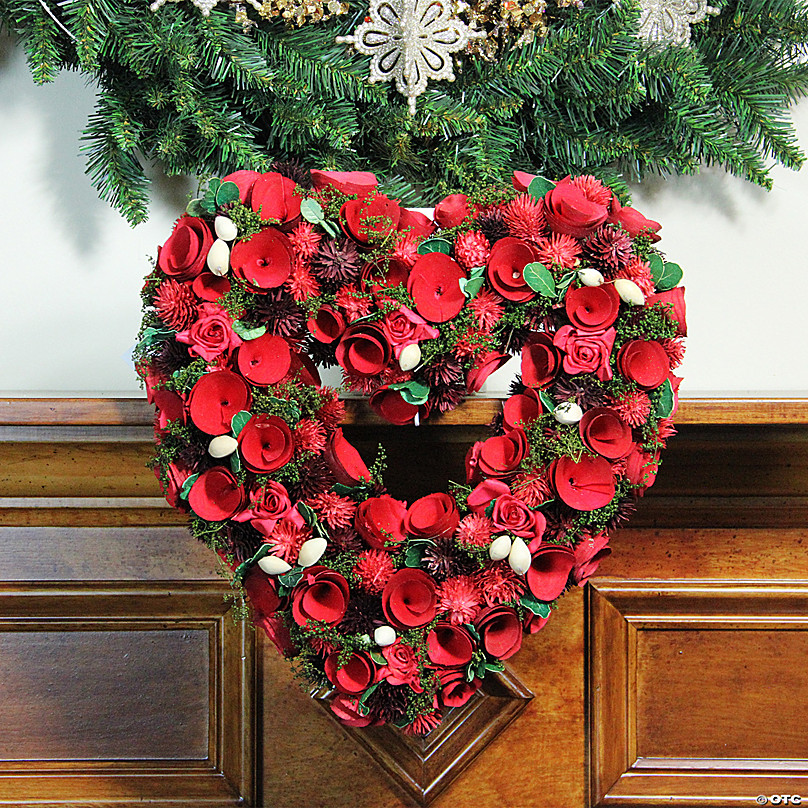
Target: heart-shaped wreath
pixel 403 609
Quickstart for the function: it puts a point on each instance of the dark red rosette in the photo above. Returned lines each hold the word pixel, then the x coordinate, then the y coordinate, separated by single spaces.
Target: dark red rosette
pixel 274 197
pixel 327 325
pixel 322 594
pixel 506 264
pixel 586 351
pixel 390 405
pixel 380 521
pixel 541 361
pixel 360 183
pixel 210 287
pixel 592 308
pixel 215 399
pixel 402 666
pixel 456 690
pixel 344 460
pixel 185 252
pixel 644 362
pixel 588 555
pixel 434 284
pixel 261 592
pixel 244 181
pixel 633 222
pixel 265 261
pixel 375 216
pixel 216 495
pixel 266 443
pixel 549 571
pixel 432 516
pixel 605 432
pixel 265 360
pixel 484 366
pixel 449 646
pixel 521 181
pixel 586 484
pixel 567 210
pixel 211 335
pixel 513 515
pixel 500 631
pixel 521 409
pixel 404 327
pixel 502 455
pixel 347 710
pixel 452 210
pixel 415 223
pixel 354 677
pixel 364 350
pixel 678 312
pixel 409 599
pixel 268 505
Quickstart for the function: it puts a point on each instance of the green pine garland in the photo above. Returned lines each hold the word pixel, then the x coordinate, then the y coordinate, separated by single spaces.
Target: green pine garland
pixel 198 95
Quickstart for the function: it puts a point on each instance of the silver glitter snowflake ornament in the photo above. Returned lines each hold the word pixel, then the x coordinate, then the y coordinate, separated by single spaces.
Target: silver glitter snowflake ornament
pixel 411 42
pixel 668 22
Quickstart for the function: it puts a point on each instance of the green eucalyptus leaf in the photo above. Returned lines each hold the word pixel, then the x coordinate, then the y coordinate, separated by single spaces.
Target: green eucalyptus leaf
pixel 312 211
pixel 471 287
pixel 238 421
pixel 247 333
pixel 291 578
pixel 151 336
pixel 495 667
pixel 413 555
pixel 226 193
pixel 435 245
pixel 669 278
pixel 241 569
pixel 657 265
pixel 369 692
pixel 329 228
pixel 412 392
pixel 547 401
pixel 307 513
pixel 666 399
pixel 377 658
pixel 235 463
pixel 539 186
pixel 186 486
pixel 538 607
pixel 194 208
pixel 540 279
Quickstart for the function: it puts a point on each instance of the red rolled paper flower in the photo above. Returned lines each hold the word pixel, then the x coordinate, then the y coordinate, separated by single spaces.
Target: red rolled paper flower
pixel 586 351
pixel 521 181
pixel 360 183
pixel 265 261
pixel 455 689
pixel 185 252
pixel 506 264
pixel 210 287
pixel 432 516
pixel 304 370
pixel 567 210
pixel 513 515
pixel 261 592
pixel 215 399
pixel 501 455
pixel 170 406
pixel 521 409
pixel 677 312
pixel 585 484
pixel 633 222
pixel 380 521
pixel 364 350
pixel 592 308
pixel 452 210
pixel 434 284
pixel 176 475
pixel 374 217
pixel 532 623
pixel 541 361
pixel 354 677
pixel 500 631
pixel 588 555
pixel 549 571
pixel 347 709
pixel 606 433
pixel 266 443
pixel 265 360
pixel 244 180
pixel 345 461
pixel 322 594
pixel 449 646
pixel 327 325
pixel 644 362
pixel 415 223
pixel 390 405
pixel 484 493
pixel 409 599
pixel 216 495
pixel 641 469
pixel 484 366
pixel 274 197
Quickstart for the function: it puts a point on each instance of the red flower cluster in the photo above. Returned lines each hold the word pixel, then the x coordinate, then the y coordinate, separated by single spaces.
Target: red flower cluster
pixel 405 608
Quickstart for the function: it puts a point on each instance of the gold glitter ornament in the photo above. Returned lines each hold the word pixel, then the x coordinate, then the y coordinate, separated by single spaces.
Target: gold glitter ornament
pixel 292 11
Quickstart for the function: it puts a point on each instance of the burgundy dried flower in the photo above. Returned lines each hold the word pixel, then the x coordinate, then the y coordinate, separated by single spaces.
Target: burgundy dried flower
pixel 336 262
pixel 175 304
pixel 282 316
pixel 294 171
pixel 492 224
pixel 609 249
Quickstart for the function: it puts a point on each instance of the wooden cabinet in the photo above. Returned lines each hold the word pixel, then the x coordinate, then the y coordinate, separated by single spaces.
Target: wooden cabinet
pixel 678 677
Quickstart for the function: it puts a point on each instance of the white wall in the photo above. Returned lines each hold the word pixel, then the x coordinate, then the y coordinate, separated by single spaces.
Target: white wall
pixel 72 268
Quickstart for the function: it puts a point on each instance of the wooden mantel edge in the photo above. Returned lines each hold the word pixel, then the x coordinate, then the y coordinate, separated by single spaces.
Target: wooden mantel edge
pixel 473 412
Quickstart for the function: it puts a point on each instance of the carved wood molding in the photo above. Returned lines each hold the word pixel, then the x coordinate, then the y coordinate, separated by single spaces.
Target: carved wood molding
pixel 423 767
pixel 736 629
pixel 73 620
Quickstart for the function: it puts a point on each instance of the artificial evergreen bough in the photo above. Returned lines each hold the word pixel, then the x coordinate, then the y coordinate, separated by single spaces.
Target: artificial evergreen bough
pixel 198 95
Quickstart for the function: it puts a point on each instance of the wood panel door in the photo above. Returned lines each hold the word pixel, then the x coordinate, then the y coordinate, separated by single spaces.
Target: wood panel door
pixel 677 677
